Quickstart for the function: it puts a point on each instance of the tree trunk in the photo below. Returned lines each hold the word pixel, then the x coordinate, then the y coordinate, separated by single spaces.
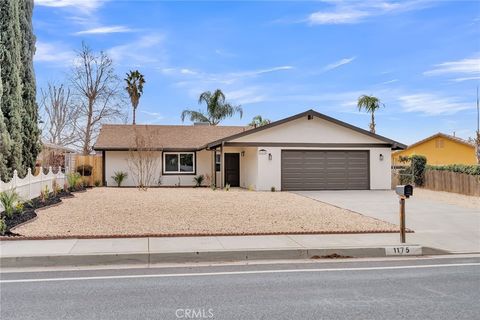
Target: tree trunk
pixel 372 124
pixel 134 111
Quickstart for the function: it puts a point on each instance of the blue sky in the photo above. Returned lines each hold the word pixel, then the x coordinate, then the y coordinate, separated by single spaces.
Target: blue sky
pixel 279 58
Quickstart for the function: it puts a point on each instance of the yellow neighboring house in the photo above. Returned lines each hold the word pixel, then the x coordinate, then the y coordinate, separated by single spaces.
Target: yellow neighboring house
pixel 440 149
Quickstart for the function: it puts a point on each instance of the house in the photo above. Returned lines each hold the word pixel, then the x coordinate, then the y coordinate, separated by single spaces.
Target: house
pixel 307 151
pixel 440 149
pixel 53 155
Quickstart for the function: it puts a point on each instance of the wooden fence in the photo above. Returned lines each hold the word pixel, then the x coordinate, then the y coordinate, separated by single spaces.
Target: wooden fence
pixel 97 167
pixel 452 182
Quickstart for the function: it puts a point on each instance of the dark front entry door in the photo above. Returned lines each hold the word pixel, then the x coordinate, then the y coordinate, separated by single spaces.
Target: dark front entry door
pixel 232 169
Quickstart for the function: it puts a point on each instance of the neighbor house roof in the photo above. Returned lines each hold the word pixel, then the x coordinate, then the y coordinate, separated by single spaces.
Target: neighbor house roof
pixel 443 135
pixel 162 137
pixel 394 144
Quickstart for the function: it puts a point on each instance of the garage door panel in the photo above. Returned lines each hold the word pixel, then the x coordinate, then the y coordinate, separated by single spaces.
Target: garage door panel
pixel 325 170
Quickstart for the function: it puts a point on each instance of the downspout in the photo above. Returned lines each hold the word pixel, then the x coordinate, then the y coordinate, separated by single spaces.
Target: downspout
pixel 222 161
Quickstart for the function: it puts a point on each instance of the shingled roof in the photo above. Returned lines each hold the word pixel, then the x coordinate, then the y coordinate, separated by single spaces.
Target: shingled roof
pixel 162 137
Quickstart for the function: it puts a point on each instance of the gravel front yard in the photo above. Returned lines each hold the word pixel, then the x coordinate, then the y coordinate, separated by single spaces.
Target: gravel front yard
pixel 170 211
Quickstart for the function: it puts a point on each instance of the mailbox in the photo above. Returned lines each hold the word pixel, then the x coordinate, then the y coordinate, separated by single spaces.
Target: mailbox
pixel 405 190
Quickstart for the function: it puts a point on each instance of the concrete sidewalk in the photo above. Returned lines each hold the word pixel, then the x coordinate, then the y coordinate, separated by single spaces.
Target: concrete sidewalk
pixel 73 252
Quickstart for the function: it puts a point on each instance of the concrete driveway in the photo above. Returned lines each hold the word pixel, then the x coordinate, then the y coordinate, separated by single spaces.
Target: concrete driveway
pixel 436 224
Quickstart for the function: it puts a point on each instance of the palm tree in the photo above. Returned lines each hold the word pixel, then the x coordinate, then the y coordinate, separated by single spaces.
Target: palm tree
pixel 258 121
pixel 135 82
pixel 217 109
pixel 370 104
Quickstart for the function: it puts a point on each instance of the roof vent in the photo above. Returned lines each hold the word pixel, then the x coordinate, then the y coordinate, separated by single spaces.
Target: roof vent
pixel 201 124
pixel 310 117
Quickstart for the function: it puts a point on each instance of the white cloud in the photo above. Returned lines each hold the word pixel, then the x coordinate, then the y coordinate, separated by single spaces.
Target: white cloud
pixel 84 5
pixel 153 115
pixel 146 49
pixel 105 30
pixel 338 63
pixel 336 17
pixel 465 79
pixel 52 52
pixel 466 66
pixel 247 95
pixel 348 12
pixel 390 81
pixel 432 104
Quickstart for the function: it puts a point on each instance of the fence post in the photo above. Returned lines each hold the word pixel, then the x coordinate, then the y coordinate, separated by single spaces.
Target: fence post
pixel 14 179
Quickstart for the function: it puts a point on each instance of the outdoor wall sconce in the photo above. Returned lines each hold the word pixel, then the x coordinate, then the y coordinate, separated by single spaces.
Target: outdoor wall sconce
pixel 381 157
pixel 269 156
pixel 243 153
pixel 262 152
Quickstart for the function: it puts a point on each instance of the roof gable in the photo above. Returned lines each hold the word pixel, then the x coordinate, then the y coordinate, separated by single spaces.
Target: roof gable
pixel 442 135
pixel 331 123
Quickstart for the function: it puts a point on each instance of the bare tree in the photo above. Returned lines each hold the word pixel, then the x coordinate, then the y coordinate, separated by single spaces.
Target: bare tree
pixel 61 115
pixel 97 91
pixel 143 160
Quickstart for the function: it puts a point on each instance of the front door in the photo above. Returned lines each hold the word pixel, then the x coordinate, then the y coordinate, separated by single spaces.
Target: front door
pixel 232 169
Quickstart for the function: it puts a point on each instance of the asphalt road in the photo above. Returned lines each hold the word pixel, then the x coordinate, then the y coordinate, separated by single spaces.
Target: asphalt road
pixel 397 289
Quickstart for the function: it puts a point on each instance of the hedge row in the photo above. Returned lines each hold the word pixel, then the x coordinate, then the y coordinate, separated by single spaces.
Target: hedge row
pixel 473 170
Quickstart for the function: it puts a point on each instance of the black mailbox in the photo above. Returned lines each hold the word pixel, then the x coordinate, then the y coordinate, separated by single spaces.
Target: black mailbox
pixel 405 190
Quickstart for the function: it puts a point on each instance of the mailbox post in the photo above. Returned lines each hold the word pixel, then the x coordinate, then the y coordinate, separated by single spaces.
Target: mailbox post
pixel 404 192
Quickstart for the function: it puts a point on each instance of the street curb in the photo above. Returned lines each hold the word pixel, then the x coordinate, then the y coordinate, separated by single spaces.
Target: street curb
pixel 201 256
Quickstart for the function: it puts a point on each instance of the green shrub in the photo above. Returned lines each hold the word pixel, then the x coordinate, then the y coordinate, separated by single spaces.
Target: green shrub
pixel 44 194
pixel 473 170
pixel 9 200
pixel 415 171
pixel 272 188
pixel 97 183
pixel 227 187
pixel 119 177
pixel 74 180
pixel 199 180
pixel 85 170
pixel 3 227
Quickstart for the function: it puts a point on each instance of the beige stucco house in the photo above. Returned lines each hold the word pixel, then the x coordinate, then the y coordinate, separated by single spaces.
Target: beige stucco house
pixel 308 151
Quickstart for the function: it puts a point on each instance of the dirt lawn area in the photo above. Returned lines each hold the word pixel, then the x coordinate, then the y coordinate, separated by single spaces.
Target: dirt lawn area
pixel 193 211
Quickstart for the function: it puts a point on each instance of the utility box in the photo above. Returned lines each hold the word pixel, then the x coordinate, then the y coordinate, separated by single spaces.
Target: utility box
pixel 404 190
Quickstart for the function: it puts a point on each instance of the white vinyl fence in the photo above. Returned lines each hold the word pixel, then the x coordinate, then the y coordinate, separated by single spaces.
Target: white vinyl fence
pixel 30 186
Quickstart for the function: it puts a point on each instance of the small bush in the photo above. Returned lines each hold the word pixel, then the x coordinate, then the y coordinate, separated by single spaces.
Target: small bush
pixel 74 180
pixel 251 187
pixel 473 170
pixel 272 188
pixel 9 200
pixel 415 173
pixel 199 180
pixel 227 187
pixel 85 170
pixel 3 227
pixel 119 177
pixel 44 194
pixel 213 187
pixel 97 183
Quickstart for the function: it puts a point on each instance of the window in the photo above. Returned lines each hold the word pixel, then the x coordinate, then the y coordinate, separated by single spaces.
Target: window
pixel 439 143
pixel 218 158
pixel 179 162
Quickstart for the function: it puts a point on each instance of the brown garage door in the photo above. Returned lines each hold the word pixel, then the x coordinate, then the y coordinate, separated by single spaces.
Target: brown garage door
pixel 325 170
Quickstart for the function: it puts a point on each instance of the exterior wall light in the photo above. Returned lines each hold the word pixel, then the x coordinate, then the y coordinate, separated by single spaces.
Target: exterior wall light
pixel 269 156
pixel 380 157
pixel 262 152
pixel 243 153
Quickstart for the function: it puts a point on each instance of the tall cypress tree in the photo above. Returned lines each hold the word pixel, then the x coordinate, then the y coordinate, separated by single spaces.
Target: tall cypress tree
pixel 4 140
pixel 30 130
pixel 11 103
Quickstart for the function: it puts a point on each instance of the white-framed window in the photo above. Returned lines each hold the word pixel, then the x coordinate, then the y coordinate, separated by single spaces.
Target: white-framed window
pixel 179 162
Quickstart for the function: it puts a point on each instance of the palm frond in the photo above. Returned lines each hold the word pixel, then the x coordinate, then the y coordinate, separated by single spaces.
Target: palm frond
pixel 194 116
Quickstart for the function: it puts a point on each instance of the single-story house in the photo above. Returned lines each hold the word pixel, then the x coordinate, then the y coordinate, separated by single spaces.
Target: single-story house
pixel 440 149
pixel 307 151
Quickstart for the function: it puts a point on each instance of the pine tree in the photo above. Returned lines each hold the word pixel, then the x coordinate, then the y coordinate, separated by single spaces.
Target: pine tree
pixel 11 103
pixel 30 130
